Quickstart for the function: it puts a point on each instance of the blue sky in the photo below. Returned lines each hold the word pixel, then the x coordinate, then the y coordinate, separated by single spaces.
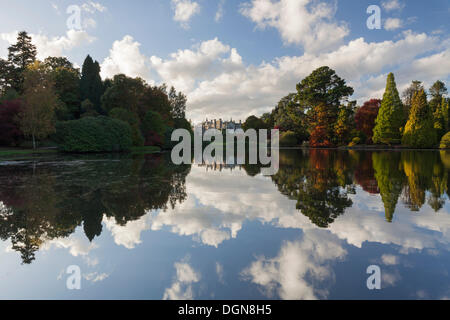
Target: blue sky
pixel 237 58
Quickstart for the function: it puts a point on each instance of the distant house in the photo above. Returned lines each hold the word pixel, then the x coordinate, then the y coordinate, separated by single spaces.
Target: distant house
pixel 230 126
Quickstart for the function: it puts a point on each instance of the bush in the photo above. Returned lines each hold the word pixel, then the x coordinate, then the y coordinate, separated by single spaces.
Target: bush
pixel 355 141
pixel 288 139
pixel 10 133
pixel 445 142
pixel 100 134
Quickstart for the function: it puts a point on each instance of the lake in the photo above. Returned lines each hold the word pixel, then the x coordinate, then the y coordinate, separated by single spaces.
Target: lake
pixel 143 228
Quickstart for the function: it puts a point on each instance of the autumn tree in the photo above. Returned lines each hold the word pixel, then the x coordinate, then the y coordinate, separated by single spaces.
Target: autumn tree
pixel 390 119
pixel 365 118
pixel 408 95
pixel 321 94
pixel 419 130
pixel 37 119
pixel 344 124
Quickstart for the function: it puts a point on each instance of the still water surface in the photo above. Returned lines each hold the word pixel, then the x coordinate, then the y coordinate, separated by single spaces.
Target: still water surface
pixel 142 228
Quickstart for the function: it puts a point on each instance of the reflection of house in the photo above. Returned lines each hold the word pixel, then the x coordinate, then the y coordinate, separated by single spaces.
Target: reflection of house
pixel 221 125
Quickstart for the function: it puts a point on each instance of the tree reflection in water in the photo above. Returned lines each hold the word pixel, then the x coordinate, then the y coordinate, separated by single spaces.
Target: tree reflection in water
pixel 45 201
pixel 49 200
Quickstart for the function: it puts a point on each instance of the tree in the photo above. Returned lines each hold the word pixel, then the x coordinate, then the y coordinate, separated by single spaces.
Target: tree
pixel 91 85
pixel 365 118
pixel 408 95
pixel 156 99
pixel 253 122
pixel 9 123
pixel 419 130
pixel 390 119
pixel 124 92
pixel 37 119
pixel 441 118
pixel 178 104
pixel 88 109
pixel 322 92
pixel 437 91
pixel 323 85
pixel 322 132
pixel 133 120
pixel 153 128
pixel 345 124
pixel 288 115
pixel 20 56
pixel 67 86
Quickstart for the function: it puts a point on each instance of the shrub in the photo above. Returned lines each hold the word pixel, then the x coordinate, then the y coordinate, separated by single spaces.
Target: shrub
pixel 445 142
pixel 10 133
pixel 288 139
pixel 100 134
pixel 355 141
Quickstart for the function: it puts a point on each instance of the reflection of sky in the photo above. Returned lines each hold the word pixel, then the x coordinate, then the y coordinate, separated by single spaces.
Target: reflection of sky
pixel 237 237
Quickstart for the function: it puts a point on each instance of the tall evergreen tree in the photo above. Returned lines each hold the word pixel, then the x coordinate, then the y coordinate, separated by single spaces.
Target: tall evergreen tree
pixel 408 95
pixel 91 85
pixel 20 56
pixel 390 119
pixel 419 130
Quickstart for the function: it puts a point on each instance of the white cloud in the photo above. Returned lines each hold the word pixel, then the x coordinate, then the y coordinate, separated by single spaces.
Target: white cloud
pixel 92 7
pixel 391 5
pixel 184 11
pixel 393 24
pixel 289 275
pixel 125 57
pixel 304 22
pixel 181 288
pixel 129 235
pixel 95 276
pixel 220 11
pixel 389 259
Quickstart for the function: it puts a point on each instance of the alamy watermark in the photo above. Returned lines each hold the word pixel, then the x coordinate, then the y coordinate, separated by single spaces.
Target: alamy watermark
pixel 260 151
pixel 374 281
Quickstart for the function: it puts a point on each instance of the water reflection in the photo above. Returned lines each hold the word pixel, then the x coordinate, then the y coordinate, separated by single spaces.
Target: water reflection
pixel 225 231
pixel 48 200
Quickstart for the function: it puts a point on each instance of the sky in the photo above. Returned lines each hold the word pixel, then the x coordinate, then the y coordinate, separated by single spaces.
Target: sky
pixel 237 58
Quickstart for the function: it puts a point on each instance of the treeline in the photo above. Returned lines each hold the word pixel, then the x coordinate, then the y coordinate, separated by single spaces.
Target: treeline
pixel 320 114
pixel 53 100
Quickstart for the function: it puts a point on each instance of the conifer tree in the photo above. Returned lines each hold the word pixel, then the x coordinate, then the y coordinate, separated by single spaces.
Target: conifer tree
pixel 419 130
pixel 390 119
pixel 91 85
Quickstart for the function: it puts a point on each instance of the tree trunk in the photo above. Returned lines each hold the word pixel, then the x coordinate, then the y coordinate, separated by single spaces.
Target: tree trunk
pixel 34 143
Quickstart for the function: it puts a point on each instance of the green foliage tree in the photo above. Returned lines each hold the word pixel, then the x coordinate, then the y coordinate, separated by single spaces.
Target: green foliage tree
pixel 253 122
pixel 67 86
pixel 123 92
pixel 390 119
pixel 37 119
pixel 153 128
pixel 20 56
pixel 178 103
pixel 91 86
pixel 288 115
pixel 419 130
pixel 445 141
pixel 323 85
pixel 88 109
pixel 132 119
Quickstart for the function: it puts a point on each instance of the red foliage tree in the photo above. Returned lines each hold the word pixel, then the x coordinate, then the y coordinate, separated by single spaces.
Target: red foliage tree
pixel 10 133
pixel 321 129
pixel 365 118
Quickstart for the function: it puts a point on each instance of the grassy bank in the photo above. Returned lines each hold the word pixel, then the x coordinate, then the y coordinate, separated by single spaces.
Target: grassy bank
pixel 25 152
